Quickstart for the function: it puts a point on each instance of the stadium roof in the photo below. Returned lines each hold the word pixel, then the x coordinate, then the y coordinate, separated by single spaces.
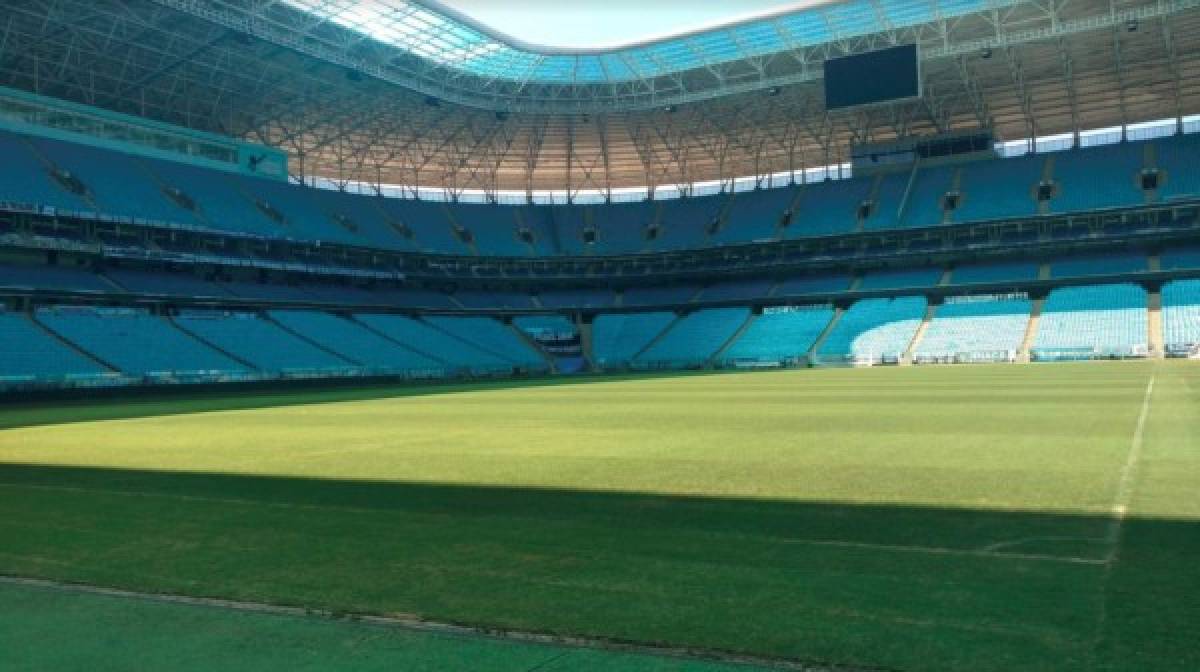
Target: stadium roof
pixel 437 104
pixel 451 39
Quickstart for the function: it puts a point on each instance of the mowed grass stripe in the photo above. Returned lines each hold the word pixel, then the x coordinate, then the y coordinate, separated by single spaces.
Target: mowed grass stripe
pixel 657 510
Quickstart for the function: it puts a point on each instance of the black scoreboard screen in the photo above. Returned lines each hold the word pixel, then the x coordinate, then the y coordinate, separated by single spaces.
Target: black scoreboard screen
pixel 874 77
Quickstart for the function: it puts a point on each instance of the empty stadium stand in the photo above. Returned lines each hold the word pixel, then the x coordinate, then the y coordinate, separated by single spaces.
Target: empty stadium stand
pixel 779 335
pixel 974 329
pixel 693 339
pixel 873 330
pixel 1080 322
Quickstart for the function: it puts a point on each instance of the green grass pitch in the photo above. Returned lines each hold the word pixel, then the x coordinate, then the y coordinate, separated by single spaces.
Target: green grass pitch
pixel 992 518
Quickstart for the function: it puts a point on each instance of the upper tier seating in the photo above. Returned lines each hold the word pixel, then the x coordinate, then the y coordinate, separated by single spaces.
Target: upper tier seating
pixel 29 352
pixel 1177 158
pixel 261 342
pixel 925 200
pixel 875 329
pixel 1100 319
pixel 436 344
pixel 828 208
pixel 1003 271
pixel 616 339
pixel 901 279
pixel 684 222
pixel 694 338
pixel 353 342
pixel 780 334
pixel 490 336
pixel 999 189
pixel 52 277
pixel 134 341
pixel 118 183
pixel 219 204
pixel 1098 264
pixel 1181 313
pixel 25 179
pixel 621 227
pixel 1098 177
pixel 493 228
pixel 981 329
pixel 268 291
pixel 754 216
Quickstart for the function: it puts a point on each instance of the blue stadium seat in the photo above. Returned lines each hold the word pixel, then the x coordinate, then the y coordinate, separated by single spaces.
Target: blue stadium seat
pixel 827 208
pixel 742 290
pixel 1098 264
pixel 493 227
pixel 29 352
pixel 754 216
pixel 1177 158
pixel 976 330
pixel 262 343
pixel 491 336
pixel 812 284
pixel 52 277
pixel 617 338
pixel 874 329
pixel 218 201
pixel 780 334
pixel 119 183
pixel 1092 320
pixel 1181 313
pixel 999 189
pixel 454 353
pixel 1098 177
pixel 180 283
pixel 659 296
pixel 25 179
pixel 924 206
pixel 355 343
pixel 1002 271
pixel 685 221
pixel 901 279
pixel 134 341
pixel 694 338
pixel 1180 258
pixel 577 298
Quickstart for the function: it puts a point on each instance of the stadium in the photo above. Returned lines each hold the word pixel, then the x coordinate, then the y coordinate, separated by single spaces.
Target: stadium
pixel 855 335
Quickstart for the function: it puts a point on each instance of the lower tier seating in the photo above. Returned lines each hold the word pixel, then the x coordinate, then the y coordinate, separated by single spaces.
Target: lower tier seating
pixel 1181 313
pixel 694 338
pixel 354 342
pixel 874 329
pixel 1098 319
pixel 436 344
pixel 616 339
pixel 976 330
pixel 31 352
pixel 780 334
pixel 134 341
pixel 261 343
pixel 490 336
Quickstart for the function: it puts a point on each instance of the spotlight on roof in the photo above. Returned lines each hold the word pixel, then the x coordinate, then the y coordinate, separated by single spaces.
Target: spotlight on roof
pixel 432 102
pixel 986 53
pixel 1131 25
pixel 774 91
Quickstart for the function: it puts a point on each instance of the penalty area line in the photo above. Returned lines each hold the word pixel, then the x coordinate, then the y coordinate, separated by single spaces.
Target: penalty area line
pixel 1124 494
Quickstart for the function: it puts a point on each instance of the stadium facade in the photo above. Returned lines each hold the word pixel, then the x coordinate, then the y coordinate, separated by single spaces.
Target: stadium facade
pixel 233 191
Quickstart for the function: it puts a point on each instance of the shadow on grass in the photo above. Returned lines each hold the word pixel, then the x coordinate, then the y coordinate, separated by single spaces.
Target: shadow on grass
pixel 892 586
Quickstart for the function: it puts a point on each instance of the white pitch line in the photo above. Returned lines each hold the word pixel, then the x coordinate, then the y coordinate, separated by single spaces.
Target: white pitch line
pixel 897 548
pixel 1121 500
pixel 961 552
